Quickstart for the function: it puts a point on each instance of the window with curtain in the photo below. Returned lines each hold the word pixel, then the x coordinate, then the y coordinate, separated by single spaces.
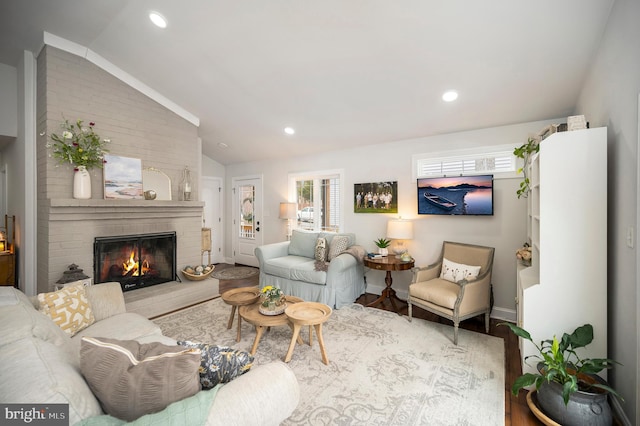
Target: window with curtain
pixel 318 196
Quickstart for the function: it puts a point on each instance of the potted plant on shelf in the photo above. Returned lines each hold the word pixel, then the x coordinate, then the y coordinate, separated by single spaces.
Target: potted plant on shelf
pixel 525 152
pixel 568 388
pixel 382 244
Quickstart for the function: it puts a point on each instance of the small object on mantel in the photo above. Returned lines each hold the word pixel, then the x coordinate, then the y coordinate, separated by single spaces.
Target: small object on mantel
pixel 73 275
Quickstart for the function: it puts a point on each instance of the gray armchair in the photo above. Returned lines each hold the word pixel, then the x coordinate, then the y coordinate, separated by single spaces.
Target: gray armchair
pixel 462 292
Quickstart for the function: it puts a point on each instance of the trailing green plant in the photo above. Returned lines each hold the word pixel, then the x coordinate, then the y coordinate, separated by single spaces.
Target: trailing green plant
pixel 525 152
pixel 560 363
pixel 382 242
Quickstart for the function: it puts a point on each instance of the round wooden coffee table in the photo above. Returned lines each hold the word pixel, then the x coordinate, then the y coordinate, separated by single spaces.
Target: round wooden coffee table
pixel 252 315
pixel 240 297
pixel 311 314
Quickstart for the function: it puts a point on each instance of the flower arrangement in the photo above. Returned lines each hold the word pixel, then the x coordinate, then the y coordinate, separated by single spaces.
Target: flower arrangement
pixel 271 294
pixel 524 254
pixel 78 145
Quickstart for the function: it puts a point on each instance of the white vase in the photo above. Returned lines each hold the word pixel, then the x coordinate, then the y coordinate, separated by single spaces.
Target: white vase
pixel 383 251
pixel 81 183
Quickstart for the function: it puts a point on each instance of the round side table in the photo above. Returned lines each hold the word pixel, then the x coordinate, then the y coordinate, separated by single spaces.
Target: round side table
pixel 240 297
pixel 389 263
pixel 311 314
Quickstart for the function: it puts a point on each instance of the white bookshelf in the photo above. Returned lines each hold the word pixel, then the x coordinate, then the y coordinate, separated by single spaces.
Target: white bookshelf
pixel 566 286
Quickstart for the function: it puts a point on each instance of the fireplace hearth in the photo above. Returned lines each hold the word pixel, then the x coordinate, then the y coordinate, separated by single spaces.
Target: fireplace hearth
pixel 135 261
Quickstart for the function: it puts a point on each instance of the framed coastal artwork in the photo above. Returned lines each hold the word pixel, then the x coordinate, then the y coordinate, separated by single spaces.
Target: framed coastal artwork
pixel 375 197
pixel 122 178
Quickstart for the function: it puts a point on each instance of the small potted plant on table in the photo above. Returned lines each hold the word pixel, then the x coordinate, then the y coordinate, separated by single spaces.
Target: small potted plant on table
pixel 383 245
pixel 568 388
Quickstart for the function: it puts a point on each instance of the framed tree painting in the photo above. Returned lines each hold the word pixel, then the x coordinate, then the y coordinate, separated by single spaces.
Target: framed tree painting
pixel 375 197
pixel 122 178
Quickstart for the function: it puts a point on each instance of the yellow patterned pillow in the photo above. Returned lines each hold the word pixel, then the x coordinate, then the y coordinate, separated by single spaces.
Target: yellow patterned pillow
pixel 68 308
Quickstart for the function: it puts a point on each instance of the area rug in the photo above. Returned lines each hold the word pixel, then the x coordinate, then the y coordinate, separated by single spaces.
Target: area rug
pixel 383 369
pixel 235 273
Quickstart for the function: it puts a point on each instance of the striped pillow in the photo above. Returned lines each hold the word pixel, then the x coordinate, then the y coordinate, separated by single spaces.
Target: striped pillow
pixel 131 379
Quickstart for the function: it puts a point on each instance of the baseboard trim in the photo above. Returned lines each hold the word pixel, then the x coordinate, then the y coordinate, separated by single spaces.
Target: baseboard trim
pixel 377 289
pixel 504 314
pixel 618 412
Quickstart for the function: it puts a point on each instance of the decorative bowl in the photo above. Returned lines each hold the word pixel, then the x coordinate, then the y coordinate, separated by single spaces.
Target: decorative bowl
pixel 193 276
pixel 279 310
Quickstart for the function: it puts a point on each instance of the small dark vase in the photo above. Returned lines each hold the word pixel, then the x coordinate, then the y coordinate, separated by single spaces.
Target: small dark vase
pixel 583 409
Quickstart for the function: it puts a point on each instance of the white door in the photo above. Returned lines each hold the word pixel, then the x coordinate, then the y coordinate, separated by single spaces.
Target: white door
pixel 247 219
pixel 212 196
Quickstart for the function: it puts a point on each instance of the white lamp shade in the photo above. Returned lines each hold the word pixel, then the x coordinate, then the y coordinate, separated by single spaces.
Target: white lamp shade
pixel 288 210
pixel 400 229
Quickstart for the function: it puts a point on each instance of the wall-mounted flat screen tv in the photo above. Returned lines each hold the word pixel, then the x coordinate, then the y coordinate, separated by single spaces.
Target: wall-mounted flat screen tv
pixel 456 195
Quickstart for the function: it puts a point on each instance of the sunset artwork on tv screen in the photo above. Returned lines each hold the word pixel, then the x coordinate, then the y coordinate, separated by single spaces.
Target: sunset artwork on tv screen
pixel 456 195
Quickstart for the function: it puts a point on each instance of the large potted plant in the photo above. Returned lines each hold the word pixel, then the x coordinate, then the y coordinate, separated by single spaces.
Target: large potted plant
pixel 568 388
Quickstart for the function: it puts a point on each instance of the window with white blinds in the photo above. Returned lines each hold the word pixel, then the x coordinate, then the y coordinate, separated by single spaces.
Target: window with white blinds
pixel 319 199
pixel 501 162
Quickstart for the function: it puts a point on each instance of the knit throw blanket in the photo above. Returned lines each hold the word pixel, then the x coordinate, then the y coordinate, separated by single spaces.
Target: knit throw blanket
pixel 356 251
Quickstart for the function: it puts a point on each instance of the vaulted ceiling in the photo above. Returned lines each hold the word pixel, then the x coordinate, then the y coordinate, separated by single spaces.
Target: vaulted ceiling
pixel 342 73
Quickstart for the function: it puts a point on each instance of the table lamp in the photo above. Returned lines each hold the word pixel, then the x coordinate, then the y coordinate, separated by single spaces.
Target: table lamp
pixel 288 212
pixel 399 230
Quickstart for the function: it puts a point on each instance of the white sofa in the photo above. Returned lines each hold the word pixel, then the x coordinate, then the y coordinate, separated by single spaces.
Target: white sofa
pixel 39 363
pixel 291 265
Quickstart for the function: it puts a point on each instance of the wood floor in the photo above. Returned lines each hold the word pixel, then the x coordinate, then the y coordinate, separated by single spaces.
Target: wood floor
pixel 516 411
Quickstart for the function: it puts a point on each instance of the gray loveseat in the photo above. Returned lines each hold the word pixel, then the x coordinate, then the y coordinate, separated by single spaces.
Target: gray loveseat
pixel 291 265
pixel 39 363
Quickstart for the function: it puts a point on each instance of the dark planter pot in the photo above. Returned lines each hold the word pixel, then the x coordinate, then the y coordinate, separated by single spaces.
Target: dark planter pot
pixel 583 409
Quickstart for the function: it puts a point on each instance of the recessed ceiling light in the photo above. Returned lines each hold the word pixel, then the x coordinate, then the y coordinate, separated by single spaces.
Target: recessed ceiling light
pixel 158 19
pixel 223 145
pixel 450 96
pixel 289 130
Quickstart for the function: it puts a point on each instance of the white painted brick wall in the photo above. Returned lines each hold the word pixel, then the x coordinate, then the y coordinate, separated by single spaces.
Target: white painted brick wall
pixel 73 88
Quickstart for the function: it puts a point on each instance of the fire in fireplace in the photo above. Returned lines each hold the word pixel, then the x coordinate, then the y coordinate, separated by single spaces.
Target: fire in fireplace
pixel 135 261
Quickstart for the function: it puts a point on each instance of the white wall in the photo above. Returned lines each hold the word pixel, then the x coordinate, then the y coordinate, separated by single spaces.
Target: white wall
pixel 610 98
pixel 211 167
pixel 506 230
pixel 8 100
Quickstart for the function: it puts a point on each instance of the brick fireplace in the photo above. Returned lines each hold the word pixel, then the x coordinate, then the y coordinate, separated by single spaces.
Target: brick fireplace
pixel 69 86
pixel 69 227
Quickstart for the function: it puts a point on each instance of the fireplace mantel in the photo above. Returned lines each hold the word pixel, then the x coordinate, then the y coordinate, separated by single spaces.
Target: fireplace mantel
pixel 96 209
